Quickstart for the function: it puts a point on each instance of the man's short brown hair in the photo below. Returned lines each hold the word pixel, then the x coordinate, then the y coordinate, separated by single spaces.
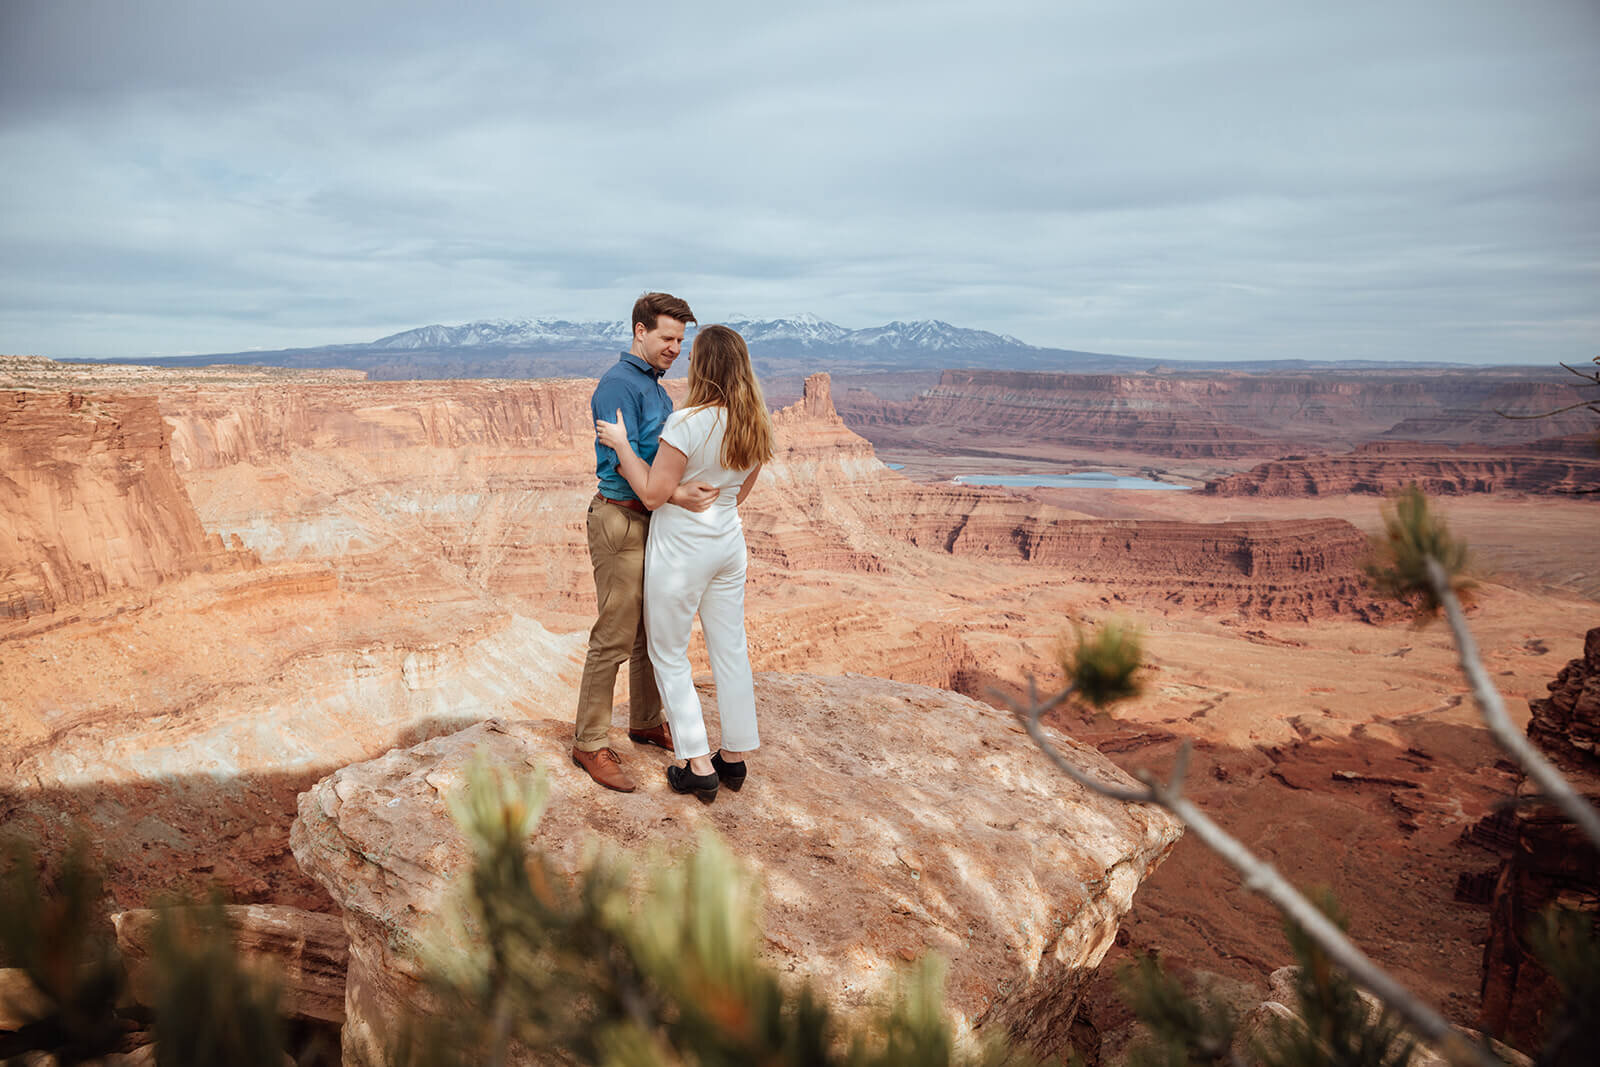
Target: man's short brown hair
pixel 651 305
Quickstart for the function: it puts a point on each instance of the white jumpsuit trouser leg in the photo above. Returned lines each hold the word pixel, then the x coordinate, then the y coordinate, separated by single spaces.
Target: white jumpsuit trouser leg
pixel 688 570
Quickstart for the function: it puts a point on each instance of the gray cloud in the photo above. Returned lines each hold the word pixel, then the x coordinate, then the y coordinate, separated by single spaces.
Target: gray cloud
pixel 1234 179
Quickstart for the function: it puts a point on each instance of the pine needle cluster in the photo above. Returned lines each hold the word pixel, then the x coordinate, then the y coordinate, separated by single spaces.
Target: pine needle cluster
pixel 1567 943
pixel 1336 1026
pixel 1333 1025
pixel 1413 534
pixel 1183 1030
pixel 52 929
pixel 1102 665
pixel 210 1008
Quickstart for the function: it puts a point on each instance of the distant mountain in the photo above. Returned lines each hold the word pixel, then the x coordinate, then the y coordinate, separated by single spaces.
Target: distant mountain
pixel 524 334
pixel 801 331
pixel 787 348
pixel 542 348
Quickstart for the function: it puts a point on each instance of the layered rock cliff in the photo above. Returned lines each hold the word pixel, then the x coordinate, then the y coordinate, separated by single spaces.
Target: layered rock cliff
pixel 1214 415
pixel 1567 722
pixel 930 824
pixel 1548 862
pixel 1384 467
pixel 90 502
pixel 491 479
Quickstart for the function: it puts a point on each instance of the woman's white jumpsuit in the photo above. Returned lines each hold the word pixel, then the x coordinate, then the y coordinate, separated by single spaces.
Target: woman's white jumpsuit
pixel 695 561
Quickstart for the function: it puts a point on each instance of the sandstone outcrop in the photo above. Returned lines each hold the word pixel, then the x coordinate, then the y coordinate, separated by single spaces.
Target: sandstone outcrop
pixel 1384 467
pixel 1269 1021
pixel 1549 863
pixel 304 950
pixel 90 503
pixel 1566 724
pixel 1299 569
pixel 885 820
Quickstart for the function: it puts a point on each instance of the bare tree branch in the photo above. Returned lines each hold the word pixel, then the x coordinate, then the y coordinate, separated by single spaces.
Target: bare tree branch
pixel 1261 877
pixel 1591 378
pixel 1548 779
pixel 1590 404
pixel 1588 376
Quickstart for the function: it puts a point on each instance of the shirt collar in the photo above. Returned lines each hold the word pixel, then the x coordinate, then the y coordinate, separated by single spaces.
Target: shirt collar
pixel 639 364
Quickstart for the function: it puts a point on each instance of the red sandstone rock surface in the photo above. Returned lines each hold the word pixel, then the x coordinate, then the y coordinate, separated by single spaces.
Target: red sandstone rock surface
pixel 1382 468
pixel 306 951
pixel 90 504
pixel 885 821
pixel 1547 861
pixel 1567 722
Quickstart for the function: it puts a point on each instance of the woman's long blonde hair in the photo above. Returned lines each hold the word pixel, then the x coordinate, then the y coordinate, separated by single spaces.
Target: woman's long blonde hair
pixel 720 375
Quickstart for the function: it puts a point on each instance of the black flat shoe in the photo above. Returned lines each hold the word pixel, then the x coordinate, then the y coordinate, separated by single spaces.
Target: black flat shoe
pixel 731 774
pixel 683 780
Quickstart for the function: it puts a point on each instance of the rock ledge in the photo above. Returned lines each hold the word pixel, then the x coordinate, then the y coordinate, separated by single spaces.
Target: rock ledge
pixel 885 820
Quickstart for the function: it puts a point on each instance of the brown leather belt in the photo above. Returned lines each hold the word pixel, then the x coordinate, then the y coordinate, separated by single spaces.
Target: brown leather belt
pixel 631 505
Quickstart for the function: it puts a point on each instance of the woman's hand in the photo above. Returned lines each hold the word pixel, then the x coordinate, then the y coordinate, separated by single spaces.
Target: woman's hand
pixel 614 435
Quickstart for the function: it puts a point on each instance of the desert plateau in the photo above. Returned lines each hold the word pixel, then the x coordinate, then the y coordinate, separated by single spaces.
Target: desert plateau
pixel 254 622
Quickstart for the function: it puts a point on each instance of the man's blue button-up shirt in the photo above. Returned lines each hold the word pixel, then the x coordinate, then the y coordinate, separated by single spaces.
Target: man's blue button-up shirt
pixel 634 387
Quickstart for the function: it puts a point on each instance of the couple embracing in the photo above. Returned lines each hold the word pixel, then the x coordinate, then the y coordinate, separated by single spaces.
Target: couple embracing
pixel 666 542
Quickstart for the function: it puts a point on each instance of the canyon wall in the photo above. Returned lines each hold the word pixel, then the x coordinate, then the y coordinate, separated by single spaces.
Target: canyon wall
pixel 90 502
pixel 1549 863
pixel 1216 415
pixel 1565 465
pixel 489 480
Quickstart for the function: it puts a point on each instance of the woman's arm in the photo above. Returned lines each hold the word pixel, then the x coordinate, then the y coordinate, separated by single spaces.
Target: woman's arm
pixel 654 483
pixel 749 484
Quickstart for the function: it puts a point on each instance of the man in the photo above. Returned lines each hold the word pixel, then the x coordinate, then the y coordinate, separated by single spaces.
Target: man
pixel 618 525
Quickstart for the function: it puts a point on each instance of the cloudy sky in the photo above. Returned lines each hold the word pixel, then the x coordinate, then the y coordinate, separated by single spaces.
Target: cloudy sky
pixel 1410 179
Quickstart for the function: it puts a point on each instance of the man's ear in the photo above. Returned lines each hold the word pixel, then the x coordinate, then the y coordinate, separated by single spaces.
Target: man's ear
pixel 639 331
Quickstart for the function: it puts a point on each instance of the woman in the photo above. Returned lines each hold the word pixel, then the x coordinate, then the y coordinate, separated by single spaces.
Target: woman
pixel 695 561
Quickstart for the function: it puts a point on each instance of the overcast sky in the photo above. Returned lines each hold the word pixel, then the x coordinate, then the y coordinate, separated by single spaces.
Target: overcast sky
pixel 1395 180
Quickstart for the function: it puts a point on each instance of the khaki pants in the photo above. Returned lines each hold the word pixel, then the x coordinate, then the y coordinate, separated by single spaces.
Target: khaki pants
pixel 616 550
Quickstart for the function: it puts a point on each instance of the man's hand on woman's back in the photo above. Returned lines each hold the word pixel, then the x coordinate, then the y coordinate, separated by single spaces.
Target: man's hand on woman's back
pixel 694 496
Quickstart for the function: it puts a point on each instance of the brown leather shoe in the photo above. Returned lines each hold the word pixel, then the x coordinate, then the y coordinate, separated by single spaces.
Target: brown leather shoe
pixel 604 767
pixel 658 734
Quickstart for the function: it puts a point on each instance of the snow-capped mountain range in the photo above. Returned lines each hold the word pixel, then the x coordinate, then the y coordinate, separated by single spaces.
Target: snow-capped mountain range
pixel 798 332
pixel 546 348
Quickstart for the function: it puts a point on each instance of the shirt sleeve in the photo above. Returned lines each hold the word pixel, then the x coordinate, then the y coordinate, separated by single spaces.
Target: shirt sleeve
pixel 675 432
pixel 609 396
